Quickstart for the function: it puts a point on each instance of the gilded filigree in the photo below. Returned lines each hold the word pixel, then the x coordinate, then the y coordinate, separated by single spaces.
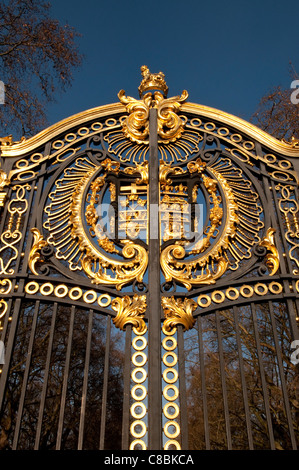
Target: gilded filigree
pixel 130 311
pixel 178 312
pixel 272 257
pixel 35 256
pixel 136 125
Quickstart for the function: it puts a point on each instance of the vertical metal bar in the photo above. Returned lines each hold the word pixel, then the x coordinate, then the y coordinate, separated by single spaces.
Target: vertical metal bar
pixel 127 380
pixel 203 384
pixel 223 383
pixel 154 302
pixel 243 380
pixel 65 379
pixel 105 384
pixel 282 378
pixel 26 375
pixel 263 378
pixel 85 381
pixel 46 377
pixel 183 393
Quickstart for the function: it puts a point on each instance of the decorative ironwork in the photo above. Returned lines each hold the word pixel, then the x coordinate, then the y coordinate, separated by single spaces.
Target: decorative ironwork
pixel 78 265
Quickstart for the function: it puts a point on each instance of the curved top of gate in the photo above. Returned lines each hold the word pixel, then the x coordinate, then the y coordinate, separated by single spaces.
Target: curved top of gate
pixel 20 148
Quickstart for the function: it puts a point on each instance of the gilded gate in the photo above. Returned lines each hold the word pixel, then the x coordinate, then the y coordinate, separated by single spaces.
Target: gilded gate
pixel 149 280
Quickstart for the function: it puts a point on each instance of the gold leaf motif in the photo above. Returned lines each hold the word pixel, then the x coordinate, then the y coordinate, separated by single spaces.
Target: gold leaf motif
pixel 38 244
pixel 178 312
pixel 130 310
pixel 272 258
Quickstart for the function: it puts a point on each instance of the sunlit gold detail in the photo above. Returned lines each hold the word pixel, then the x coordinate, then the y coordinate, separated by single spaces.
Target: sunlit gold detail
pixel 218 296
pixel 174 434
pixel 67 233
pixel 229 294
pixel 137 362
pixel 289 208
pixel 32 287
pixel 34 255
pixel 135 433
pixel 141 396
pixel 245 288
pixel 272 258
pixel 142 169
pixel 4 181
pixel 260 288
pixel 172 443
pixel 138 442
pixel 61 290
pixel 140 371
pixel 178 311
pixel 47 288
pixel 166 391
pixel 294 143
pixel 78 294
pixel 134 413
pixel 168 414
pixel 204 300
pixel 3 309
pixel 93 295
pixel 168 372
pixel 139 339
pixel 276 287
pixel 11 237
pixel 106 302
pixel 173 357
pixel 7 286
pixel 136 125
pixel 130 310
pixel 165 343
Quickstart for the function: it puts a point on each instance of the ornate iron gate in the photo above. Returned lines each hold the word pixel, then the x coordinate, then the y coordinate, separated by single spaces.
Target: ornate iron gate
pixel 149 281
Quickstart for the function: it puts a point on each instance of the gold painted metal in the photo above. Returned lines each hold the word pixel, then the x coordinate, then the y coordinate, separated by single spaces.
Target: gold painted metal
pixel 130 310
pixel 272 258
pixel 6 289
pixel 34 255
pixel 72 244
pixel 136 125
pixel 178 311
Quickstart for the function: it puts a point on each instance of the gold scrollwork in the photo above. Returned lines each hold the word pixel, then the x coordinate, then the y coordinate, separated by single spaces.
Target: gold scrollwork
pixel 130 310
pixel 38 243
pixel 178 311
pixel 136 125
pixel 272 258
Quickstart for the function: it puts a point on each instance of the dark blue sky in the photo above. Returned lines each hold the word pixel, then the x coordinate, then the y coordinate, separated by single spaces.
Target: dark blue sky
pixel 227 55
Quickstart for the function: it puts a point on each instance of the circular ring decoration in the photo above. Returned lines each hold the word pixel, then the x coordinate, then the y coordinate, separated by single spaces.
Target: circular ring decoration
pixel 137 442
pixel 141 346
pixel 166 345
pixel 107 301
pixel 140 433
pixel 173 356
pixel 47 288
pixel 137 355
pixel 143 392
pixel 246 294
pixel 216 299
pixel 61 287
pixel 139 370
pixel 75 293
pixel 168 414
pixel 93 296
pixel 142 413
pixel 166 391
pixel 263 287
pixel 172 442
pixel 229 294
pixel 174 434
pixel 207 301
pixel 276 287
pixel 172 380
pixel 32 287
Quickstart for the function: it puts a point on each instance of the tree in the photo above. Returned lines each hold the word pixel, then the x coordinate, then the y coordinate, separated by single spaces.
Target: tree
pixel 278 111
pixel 37 57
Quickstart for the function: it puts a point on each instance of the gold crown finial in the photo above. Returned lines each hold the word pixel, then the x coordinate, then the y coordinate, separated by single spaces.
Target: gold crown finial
pixel 152 81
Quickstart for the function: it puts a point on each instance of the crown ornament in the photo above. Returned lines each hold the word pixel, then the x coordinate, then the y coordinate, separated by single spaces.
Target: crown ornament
pixel 152 81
